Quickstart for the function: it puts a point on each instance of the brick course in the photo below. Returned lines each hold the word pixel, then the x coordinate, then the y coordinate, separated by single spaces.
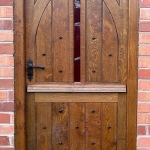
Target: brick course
pixel 6 76
pixel 143 116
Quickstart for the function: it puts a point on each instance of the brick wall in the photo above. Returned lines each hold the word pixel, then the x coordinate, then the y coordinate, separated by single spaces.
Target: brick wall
pixel 143 138
pixel 6 77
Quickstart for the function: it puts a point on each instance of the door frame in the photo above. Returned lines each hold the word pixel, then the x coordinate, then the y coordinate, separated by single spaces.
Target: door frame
pixel 20 74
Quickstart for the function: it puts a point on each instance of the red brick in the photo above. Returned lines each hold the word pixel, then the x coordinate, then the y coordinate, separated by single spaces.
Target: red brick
pixel 142 148
pixel 6 148
pixel 144 50
pixel 4 140
pixel 6 72
pixel 6 36
pixel 144 38
pixel 143 141
pixel 145 14
pixel 144 73
pixel 144 107
pixel 6 61
pixel 3 95
pixel 144 3
pixel 11 95
pixel 141 130
pixel 4 118
pixel 6 129
pixel 6 83
pixel 143 118
pixel 144 85
pixel 6 107
pixel 144 26
pixel 6 25
pixel 6 2
pixel 6 48
pixel 144 62
pixel 6 12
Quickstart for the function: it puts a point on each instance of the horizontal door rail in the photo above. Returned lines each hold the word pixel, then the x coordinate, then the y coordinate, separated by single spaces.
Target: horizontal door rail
pixel 76 88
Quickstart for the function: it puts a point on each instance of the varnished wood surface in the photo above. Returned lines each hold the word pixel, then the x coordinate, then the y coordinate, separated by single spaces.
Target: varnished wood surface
pixel 132 75
pixel 43 128
pixel 19 75
pixel 93 126
pixel 30 122
pixel 93 40
pixel 127 72
pixel 77 126
pixel 49 39
pixel 110 46
pixel 76 97
pixel 60 126
pixel 76 88
pixel 109 126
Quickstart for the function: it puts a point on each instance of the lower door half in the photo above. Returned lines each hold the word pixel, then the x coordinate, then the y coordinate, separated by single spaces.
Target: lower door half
pixel 76 121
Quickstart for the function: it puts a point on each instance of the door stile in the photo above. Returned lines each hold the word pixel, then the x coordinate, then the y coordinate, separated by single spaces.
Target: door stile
pixel 132 82
pixel 19 75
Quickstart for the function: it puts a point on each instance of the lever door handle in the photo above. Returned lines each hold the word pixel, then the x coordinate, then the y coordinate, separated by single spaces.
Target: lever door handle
pixel 30 69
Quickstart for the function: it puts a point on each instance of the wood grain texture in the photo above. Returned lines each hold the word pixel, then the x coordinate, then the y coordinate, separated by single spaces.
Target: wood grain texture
pixel 30 121
pixel 122 121
pixel 19 75
pixel 60 40
pixel 60 128
pixel 43 126
pixel 29 35
pixel 76 97
pixel 71 42
pixel 132 75
pixel 93 126
pixel 93 40
pixel 123 53
pixel 82 41
pixel 77 126
pixel 109 126
pixel 43 46
pixel 76 88
pixel 110 47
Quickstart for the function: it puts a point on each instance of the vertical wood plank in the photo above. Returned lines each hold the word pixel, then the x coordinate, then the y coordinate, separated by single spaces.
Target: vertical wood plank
pixel 71 41
pixel 43 44
pixel 82 40
pixel 43 126
pixel 93 126
pixel 29 35
pixel 109 126
pixel 93 40
pixel 77 129
pixel 132 75
pixel 122 121
pixel 123 53
pixel 19 75
pixel 60 37
pixel 30 121
pixel 60 126
pixel 110 46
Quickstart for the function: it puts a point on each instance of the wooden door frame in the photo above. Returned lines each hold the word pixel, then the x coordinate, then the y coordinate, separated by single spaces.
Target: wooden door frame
pixel 20 74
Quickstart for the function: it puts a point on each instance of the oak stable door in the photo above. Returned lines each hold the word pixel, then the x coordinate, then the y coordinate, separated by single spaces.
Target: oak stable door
pixel 76 74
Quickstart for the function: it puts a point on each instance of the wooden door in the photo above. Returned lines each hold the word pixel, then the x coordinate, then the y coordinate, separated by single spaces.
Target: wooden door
pixel 68 108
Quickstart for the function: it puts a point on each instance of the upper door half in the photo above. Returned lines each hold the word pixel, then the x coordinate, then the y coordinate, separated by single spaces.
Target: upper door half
pixel 50 42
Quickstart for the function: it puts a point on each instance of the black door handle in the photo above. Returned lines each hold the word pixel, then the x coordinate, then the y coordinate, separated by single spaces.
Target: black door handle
pixel 30 69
